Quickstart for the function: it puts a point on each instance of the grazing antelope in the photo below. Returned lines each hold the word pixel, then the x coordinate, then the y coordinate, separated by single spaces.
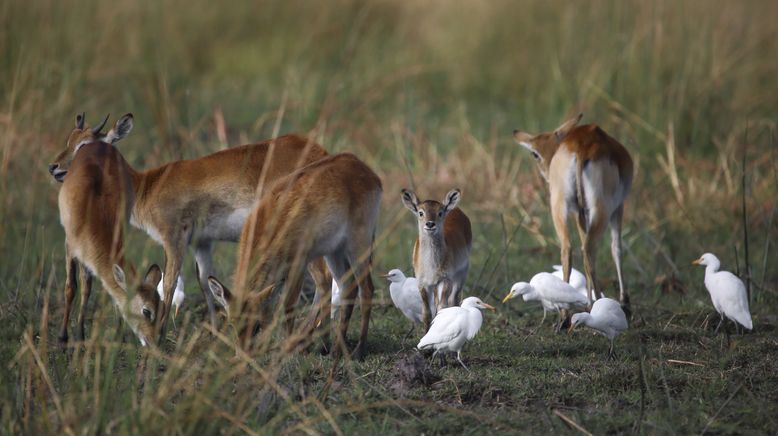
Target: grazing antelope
pixel 589 174
pixel 205 199
pixel 441 254
pixel 94 205
pixel 327 209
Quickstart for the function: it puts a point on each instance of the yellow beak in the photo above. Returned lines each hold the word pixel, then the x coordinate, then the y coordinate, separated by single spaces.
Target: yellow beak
pixel 175 314
pixel 386 276
pixel 507 297
pixel 696 262
pixel 490 307
pixel 570 330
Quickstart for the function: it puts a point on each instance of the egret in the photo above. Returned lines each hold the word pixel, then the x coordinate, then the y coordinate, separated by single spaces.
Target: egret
pixel 453 326
pixel 178 295
pixel 553 293
pixel 727 292
pixel 606 318
pixel 404 292
pixel 577 280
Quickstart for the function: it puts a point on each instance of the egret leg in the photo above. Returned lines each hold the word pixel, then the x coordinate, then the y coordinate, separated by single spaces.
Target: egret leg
pixel 611 355
pixel 716 332
pixel 459 359
pixel 407 335
pixel 541 322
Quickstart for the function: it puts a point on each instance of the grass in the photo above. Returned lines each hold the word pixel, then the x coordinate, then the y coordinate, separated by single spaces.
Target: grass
pixel 427 94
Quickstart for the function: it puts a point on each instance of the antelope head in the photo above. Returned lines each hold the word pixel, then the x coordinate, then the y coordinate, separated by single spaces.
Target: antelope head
pixel 431 213
pixel 544 145
pixel 81 135
pixel 141 308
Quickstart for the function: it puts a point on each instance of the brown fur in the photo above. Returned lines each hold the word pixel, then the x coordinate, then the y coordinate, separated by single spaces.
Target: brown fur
pixel 327 209
pixel 593 152
pixel 94 205
pixel 182 200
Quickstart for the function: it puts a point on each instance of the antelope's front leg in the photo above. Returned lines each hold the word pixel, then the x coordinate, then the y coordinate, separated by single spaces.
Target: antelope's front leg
pixel 175 250
pixel 426 314
pixel 71 266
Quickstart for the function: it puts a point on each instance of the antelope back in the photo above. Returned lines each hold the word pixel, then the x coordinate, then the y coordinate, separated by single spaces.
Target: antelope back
pixel 327 206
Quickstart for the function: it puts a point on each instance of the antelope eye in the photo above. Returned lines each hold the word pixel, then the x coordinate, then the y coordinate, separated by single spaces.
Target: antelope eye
pixel 421 213
pixel 535 155
pixel 147 312
pixel 440 214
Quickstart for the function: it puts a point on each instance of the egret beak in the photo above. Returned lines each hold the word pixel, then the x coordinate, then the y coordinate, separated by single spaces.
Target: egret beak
pixel 490 307
pixel 696 262
pixel 386 276
pixel 507 297
pixel 570 330
pixel 318 323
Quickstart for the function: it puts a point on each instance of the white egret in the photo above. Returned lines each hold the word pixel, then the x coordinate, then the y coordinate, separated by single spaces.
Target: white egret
pixel 553 293
pixel 577 280
pixel 453 326
pixel 404 292
pixel 606 318
pixel 178 295
pixel 727 292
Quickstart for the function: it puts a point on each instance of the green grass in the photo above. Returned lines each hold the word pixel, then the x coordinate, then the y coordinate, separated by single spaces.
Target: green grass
pixel 426 93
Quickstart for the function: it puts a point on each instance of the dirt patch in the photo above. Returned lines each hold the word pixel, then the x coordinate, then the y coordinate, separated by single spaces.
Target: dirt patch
pixel 412 370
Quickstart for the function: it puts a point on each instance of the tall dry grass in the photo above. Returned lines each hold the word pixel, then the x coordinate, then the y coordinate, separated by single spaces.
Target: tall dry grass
pixel 426 93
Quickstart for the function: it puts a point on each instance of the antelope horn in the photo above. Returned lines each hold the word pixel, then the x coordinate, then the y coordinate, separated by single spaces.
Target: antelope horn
pixel 97 129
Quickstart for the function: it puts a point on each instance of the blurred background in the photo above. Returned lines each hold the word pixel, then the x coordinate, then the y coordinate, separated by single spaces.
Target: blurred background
pixel 427 93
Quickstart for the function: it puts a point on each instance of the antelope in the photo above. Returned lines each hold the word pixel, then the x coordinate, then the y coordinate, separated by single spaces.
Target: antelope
pixel 327 209
pixel 94 205
pixel 589 175
pixel 441 254
pixel 206 199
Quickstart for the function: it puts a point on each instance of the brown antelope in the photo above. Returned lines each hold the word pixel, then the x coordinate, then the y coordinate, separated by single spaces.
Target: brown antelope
pixel 327 209
pixel 589 174
pixel 205 199
pixel 441 254
pixel 94 205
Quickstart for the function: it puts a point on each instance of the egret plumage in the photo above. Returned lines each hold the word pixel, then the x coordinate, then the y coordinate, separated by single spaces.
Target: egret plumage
pixel 577 280
pixel 178 294
pixel 553 293
pixel 727 292
pixel 404 292
pixel 606 318
pixel 453 326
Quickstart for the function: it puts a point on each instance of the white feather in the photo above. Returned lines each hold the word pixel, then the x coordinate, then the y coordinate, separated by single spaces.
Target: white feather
pixel 727 292
pixel 178 294
pixel 453 326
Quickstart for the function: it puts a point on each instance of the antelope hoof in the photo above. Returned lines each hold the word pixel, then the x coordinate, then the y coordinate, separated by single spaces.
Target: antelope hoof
pixel 359 352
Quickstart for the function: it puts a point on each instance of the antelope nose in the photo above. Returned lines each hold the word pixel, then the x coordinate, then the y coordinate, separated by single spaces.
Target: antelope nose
pixel 430 224
pixel 53 167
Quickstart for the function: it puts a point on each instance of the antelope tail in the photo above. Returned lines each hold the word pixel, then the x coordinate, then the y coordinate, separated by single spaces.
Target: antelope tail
pixel 579 164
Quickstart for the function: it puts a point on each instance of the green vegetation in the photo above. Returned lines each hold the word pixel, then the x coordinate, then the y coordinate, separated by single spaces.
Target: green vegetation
pixel 426 93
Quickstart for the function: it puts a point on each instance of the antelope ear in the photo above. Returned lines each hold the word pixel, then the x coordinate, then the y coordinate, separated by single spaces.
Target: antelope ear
pixel 219 291
pixel 452 199
pixel 567 126
pixel 410 201
pixel 524 139
pixel 80 120
pixel 122 127
pixel 118 275
pixel 153 275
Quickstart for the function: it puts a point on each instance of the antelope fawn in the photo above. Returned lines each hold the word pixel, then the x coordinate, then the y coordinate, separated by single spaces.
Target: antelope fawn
pixel 327 209
pixel 205 199
pixel 441 254
pixel 589 174
pixel 94 205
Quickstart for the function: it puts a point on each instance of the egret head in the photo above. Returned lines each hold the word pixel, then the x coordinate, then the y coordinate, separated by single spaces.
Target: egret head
pixel 520 288
pixel 706 259
pixel 394 276
pixel 477 303
pixel 578 318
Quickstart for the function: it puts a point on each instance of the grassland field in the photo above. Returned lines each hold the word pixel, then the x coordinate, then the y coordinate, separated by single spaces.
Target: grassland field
pixel 426 93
